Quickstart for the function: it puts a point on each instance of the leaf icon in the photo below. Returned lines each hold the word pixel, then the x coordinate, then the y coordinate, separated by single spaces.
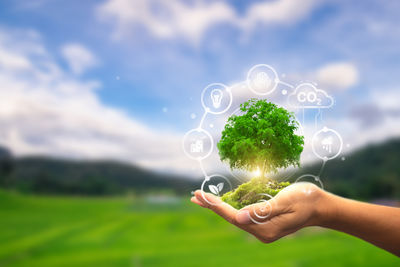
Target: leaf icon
pixel 220 186
pixel 213 189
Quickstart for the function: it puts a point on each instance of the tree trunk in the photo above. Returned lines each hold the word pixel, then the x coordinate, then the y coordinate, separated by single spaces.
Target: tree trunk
pixel 263 170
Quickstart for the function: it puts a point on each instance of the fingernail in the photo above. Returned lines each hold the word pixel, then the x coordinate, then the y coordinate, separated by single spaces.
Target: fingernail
pixel 243 217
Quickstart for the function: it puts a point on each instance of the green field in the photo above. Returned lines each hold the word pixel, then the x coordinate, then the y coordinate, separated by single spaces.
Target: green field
pixel 66 231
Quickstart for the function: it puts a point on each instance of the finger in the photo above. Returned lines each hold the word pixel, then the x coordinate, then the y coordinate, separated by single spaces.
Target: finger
pixel 214 203
pixel 196 201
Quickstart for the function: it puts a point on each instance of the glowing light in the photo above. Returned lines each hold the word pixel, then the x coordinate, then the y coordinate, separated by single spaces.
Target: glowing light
pixel 256 172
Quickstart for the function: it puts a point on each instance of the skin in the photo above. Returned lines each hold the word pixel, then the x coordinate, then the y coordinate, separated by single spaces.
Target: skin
pixel 304 204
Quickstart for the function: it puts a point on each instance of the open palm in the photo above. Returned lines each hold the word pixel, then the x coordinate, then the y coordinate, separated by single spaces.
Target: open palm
pixel 292 209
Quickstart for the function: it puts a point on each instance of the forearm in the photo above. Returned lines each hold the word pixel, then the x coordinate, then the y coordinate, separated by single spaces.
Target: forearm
pixel 379 225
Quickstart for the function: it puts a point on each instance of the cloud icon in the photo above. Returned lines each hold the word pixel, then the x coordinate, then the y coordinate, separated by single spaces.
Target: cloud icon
pixel 306 95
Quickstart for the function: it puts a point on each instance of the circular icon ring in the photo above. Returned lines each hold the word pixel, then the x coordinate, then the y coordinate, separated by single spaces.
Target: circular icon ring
pixel 218 104
pixel 315 178
pixel 219 190
pixel 257 77
pixel 268 206
pixel 325 130
pixel 188 153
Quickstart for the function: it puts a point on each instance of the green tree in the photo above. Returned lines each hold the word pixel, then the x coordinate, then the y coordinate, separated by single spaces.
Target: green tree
pixel 262 138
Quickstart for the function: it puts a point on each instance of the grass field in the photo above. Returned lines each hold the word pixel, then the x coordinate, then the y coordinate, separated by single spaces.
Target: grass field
pixel 62 231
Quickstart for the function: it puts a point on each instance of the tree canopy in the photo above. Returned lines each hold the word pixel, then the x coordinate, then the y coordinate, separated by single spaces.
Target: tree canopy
pixel 263 138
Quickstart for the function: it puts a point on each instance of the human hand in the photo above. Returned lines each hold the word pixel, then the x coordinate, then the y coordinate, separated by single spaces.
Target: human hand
pixel 296 206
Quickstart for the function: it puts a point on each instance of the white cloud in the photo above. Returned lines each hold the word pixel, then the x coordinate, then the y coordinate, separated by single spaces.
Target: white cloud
pixel 44 110
pixel 78 57
pixel 166 19
pixel 387 99
pixel 13 61
pixel 338 75
pixel 191 20
pixel 278 12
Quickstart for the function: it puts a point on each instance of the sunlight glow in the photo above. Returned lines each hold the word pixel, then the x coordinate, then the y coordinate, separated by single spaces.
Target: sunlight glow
pixel 257 172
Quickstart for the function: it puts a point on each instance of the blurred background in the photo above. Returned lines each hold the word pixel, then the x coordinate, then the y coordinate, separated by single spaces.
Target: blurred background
pixel 96 96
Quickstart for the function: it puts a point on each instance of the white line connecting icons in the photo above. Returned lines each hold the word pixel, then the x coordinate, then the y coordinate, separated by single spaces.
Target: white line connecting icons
pixel 262 81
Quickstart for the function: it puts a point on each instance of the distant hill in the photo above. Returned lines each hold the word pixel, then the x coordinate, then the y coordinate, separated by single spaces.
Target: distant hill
pixel 369 173
pixel 59 176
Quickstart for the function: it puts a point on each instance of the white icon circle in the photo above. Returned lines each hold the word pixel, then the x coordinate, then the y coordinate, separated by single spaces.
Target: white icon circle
pixel 311 179
pixel 217 185
pixel 262 79
pixel 198 144
pixel 267 202
pixel 327 144
pixel 216 98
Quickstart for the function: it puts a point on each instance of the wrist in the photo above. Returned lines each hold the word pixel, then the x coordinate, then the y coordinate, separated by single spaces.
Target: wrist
pixel 325 209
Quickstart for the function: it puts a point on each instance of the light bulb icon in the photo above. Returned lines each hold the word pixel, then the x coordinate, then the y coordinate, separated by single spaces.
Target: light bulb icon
pixel 216 97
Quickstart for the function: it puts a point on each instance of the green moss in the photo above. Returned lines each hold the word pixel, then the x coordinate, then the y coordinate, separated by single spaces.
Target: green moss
pixel 249 193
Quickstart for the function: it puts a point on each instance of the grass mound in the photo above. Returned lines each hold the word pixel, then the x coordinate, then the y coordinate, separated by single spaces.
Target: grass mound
pixel 249 193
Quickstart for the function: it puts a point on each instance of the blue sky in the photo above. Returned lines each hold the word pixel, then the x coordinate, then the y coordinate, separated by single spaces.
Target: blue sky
pixel 139 57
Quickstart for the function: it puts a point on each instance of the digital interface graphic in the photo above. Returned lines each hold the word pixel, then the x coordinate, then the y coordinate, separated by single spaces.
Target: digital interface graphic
pixel 262 82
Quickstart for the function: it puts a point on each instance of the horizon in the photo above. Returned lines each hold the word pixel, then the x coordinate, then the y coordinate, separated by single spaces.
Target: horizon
pixel 190 177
